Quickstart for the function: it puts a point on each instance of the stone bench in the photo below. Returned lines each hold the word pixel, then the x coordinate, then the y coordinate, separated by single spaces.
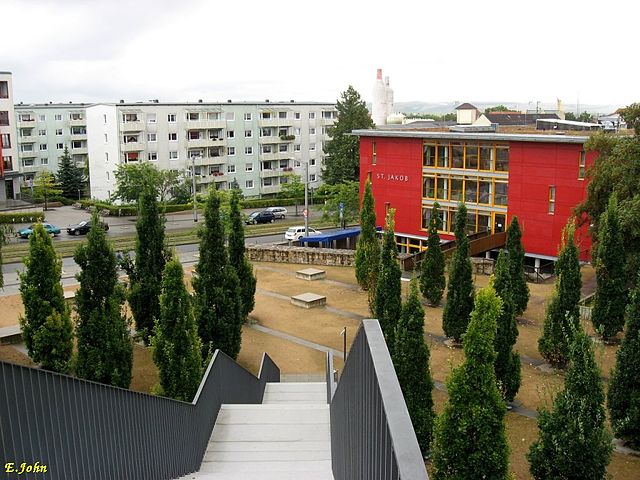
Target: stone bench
pixel 308 300
pixel 311 274
pixel 10 335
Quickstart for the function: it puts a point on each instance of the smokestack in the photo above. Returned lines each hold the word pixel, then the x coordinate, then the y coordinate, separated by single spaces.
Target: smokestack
pixel 560 109
pixel 379 104
pixel 379 77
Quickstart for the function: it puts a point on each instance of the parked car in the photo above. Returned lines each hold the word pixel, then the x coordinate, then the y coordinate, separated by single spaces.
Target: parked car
pixel 296 233
pixel 260 217
pixel 279 212
pixel 51 230
pixel 83 228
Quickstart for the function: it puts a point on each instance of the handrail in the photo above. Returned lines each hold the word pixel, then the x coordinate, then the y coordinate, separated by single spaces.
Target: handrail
pixel 83 429
pixel 329 377
pixel 371 432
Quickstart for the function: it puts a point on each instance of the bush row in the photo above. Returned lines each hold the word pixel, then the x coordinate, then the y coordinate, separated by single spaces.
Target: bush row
pixel 21 217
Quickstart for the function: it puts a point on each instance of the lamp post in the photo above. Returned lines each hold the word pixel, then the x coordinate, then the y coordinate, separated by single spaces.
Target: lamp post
pixel 193 181
pixel 306 199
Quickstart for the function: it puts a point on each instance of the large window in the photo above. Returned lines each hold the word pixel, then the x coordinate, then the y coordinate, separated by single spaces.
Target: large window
pixel 471 190
pixel 500 197
pixel 471 157
pixel 484 191
pixel 502 158
pixel 443 156
pixel 456 190
pixel 429 155
pixel 581 164
pixel 442 192
pixel 457 155
pixel 428 187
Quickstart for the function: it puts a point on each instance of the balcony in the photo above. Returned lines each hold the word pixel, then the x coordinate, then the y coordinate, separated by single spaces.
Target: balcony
pixel 270 139
pixel 219 177
pixel 80 151
pixel 31 122
pixel 270 189
pixel 275 156
pixel 275 122
pixel 205 124
pixel 205 142
pixel 79 122
pixel 79 136
pixel 275 172
pixel 131 127
pixel 287 138
pixel 29 168
pixel 28 139
pixel 127 147
pixel 29 154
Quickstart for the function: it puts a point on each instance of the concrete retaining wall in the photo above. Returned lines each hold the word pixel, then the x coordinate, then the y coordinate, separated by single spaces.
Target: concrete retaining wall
pixel 301 255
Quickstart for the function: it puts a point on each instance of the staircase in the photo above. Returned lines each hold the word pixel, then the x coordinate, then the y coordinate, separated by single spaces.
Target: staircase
pixel 286 437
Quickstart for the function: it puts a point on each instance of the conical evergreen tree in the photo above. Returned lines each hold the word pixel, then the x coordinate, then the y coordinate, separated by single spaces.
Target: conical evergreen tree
pixel 146 278
pixel 368 248
pixel 388 303
pixel 46 324
pixel 177 349
pixel 70 177
pixel 237 257
pixel 574 442
pixel 516 267
pixel 469 436
pixel 507 362
pixel 105 348
pixel 624 387
pixel 611 294
pixel 455 316
pixel 432 280
pixel 217 300
pixel 563 313
pixel 411 361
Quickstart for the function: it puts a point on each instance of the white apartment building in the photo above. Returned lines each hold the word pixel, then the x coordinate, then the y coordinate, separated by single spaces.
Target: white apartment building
pixel 255 145
pixel 9 166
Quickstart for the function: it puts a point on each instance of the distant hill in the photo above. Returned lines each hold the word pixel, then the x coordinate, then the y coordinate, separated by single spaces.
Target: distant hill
pixel 441 108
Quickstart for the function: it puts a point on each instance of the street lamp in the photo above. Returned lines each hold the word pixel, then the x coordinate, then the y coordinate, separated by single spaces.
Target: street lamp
pixel 306 199
pixel 193 180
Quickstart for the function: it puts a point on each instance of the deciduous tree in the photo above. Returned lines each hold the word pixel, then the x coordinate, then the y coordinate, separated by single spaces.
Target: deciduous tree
pixel 131 179
pixel 469 436
pixel 519 285
pixel 432 279
pixel 346 193
pixel 238 259
pixel 45 187
pixel 343 151
pixel 455 316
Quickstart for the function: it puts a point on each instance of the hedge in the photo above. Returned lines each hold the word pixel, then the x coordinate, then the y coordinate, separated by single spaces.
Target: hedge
pixel 21 217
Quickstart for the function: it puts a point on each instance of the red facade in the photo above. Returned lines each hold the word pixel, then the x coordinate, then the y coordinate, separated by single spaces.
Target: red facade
pixel 396 176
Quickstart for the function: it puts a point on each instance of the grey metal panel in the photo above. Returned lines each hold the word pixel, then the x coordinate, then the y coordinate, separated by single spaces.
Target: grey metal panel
pixel 371 432
pixel 82 429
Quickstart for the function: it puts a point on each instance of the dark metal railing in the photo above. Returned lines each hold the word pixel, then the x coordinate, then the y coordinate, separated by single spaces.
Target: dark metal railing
pixel 81 429
pixel 329 377
pixel 371 433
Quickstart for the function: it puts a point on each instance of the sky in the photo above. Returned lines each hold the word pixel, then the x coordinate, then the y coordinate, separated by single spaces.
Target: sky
pixel 455 51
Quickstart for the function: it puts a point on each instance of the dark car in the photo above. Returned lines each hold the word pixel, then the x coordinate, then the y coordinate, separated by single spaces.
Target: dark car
pixel 260 217
pixel 83 228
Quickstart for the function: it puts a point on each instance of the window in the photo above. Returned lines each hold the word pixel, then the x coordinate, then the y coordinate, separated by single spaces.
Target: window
pixel 7 162
pixel 78 130
pixel 231 151
pixel 195 135
pixel 42 133
pixel 231 169
pixel 265 132
pixel 230 116
pixel 248 150
pixel 298 164
pixel 428 155
pixel 296 147
pixel 4 118
pixel 282 115
pixel 443 156
pixel 76 117
pixel 42 118
pixel 296 115
pixel 106 156
pixel 130 138
pixel 283 147
pixel 44 161
pixel 484 191
pixel 296 131
pixel 26 148
pixel 76 144
pixel 442 188
pixel 552 199
pixel 248 183
pixel 428 188
pixel 58 117
pixel 151 118
pixel 457 155
pixel 500 196
pixel 106 138
pixel 312 147
pixel 59 146
pixel 471 191
pixel 4 89
pixel 312 162
pixel 193 116
pixel 27 162
pixel 312 115
pixel 502 159
pixel 265 115
pixel 267 149
pixel 248 167
pixel 43 146
pixel 152 137
pixel 312 177
pixel 486 157
pixel 105 119
pixel 213 116
pixel 171 118
pixel 471 157
pixel 582 164
pixel 247 117
pixel 173 137
pixel 231 134
pixel 173 155
pixel 312 131
pixel 6 140
pixel 152 156
pixel 58 132
pixel 456 189
pixel 248 133
pixel 374 153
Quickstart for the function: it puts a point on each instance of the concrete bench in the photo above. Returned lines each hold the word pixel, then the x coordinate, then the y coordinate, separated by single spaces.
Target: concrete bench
pixel 311 274
pixel 10 335
pixel 308 300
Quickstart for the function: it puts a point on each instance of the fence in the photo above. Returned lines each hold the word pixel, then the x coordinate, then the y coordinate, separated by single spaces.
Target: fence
pixel 81 429
pixel 371 432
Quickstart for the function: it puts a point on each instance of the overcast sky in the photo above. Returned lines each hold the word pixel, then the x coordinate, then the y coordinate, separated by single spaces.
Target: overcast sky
pixel 184 50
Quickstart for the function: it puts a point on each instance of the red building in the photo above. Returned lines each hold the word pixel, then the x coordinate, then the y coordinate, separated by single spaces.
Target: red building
pixel 538 178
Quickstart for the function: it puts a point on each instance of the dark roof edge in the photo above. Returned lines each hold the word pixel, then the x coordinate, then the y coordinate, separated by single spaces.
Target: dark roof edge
pixel 504 137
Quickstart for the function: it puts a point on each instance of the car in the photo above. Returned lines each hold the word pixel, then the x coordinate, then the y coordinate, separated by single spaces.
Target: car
pixel 51 230
pixel 296 233
pixel 260 217
pixel 279 212
pixel 83 227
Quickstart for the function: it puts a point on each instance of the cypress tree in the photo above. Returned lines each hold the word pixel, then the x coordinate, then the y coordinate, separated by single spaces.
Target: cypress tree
pixel 70 177
pixel 411 361
pixel 176 345
pixel 574 442
pixel 516 267
pixel 563 313
pixel 469 436
pixel 46 324
pixel 367 247
pixel 611 294
pixel 217 300
pixel 105 348
pixel 455 316
pixel 388 300
pixel 624 387
pixel 237 256
pixel 432 280
pixel 507 364
pixel 146 278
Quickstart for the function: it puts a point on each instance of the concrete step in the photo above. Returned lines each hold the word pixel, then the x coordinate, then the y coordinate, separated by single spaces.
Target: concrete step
pixel 295 392
pixel 259 476
pixel 273 414
pixel 270 433
pixel 302 467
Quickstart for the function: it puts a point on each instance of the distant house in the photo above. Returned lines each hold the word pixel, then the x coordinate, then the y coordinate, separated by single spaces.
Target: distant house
pixel 612 122
pixel 513 118
pixel 466 114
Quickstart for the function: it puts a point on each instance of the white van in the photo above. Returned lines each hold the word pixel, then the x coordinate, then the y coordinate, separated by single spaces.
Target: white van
pixel 296 233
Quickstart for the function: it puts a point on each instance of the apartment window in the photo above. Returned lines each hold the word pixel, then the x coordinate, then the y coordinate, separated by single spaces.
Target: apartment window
pixel 230 116
pixel 173 137
pixel 296 147
pixel 443 156
pixel 171 118
pixel 173 155
pixel 247 117
pixel 106 138
pixel 130 117
pixel 231 151
pixel 231 134
pixel 26 148
pixel 312 131
pixel 296 115
pixel 374 153
pixel 6 140
pixel 4 118
pixel 312 177
pixel 58 132
pixel 109 194
pixel 248 133
pixel 42 133
pixel 193 116
pixel 130 139
pixel 267 182
pixel 58 117
pixel 552 199
pixel 297 163
pixel 152 137
pixel 152 156
pixel 248 167
pixel 312 115
pixel 266 149
pixel 296 131
pixel 75 116
pixel 265 132
pixel 195 135
pixel 248 183
pixel 4 89
pixel 312 147
pixel 248 150
pixel 44 161
pixel 231 169
pixel 282 115
pixel 486 157
pixel 581 165
pixel 265 115
pixel 27 162
pixel 7 162
pixel 213 116
pixel 283 147
pixel 106 156
pixel 59 146
pixel 43 146
pixel 105 119
pixel 76 144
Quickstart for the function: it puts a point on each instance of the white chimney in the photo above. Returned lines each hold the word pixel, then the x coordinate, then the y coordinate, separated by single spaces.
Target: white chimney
pixel 388 97
pixel 379 104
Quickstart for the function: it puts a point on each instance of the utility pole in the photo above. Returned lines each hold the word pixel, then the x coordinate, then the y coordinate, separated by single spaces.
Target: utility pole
pixel 193 180
pixel 306 199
